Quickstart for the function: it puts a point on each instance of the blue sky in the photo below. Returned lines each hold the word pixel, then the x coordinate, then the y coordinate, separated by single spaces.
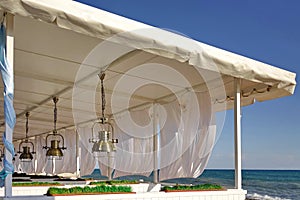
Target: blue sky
pixel 268 31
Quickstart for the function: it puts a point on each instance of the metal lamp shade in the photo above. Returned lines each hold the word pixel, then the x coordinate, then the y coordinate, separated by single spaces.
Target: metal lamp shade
pixel 26 156
pixel 103 145
pixel 54 153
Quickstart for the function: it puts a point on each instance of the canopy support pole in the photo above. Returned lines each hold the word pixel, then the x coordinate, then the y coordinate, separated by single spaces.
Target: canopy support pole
pixel 35 157
pixel 155 145
pixel 78 152
pixel 237 134
pixel 10 58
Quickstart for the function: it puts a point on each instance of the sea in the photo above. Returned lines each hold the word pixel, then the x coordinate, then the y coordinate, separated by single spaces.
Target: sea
pixel 260 184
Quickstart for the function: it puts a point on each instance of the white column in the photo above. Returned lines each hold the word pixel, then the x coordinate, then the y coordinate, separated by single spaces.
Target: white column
pixel 155 145
pixel 78 153
pixel 35 156
pixel 10 58
pixel 237 134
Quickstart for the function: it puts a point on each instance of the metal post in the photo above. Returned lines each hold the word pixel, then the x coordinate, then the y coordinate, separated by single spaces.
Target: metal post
pixel 109 156
pixel 155 145
pixel 78 152
pixel 35 157
pixel 10 58
pixel 237 134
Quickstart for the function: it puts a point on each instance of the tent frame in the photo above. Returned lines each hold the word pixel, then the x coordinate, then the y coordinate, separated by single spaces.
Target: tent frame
pixel 237 121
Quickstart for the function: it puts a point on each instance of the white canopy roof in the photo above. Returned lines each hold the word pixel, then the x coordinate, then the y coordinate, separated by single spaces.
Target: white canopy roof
pixel 53 38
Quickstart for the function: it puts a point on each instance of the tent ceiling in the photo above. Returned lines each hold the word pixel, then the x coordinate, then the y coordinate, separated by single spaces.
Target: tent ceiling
pixel 48 57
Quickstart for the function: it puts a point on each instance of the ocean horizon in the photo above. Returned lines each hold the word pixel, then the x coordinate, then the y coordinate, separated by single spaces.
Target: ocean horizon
pixel 261 184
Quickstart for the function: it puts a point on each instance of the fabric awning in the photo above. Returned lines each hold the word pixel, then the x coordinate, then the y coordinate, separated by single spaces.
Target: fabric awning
pixel 53 38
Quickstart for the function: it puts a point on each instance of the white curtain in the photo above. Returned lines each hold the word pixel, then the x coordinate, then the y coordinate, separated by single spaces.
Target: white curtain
pixel 135 149
pixel 186 135
pixel 40 154
pixel 192 142
pixel 87 160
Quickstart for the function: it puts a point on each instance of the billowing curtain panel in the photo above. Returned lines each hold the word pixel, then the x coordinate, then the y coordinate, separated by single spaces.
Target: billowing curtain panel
pixel 185 132
pixel 40 154
pixel 135 148
pixel 192 142
pixel 194 160
pixel 87 160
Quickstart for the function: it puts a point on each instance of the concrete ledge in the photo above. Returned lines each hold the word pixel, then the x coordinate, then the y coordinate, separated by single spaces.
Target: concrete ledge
pixel 231 194
pixel 33 190
pixel 41 190
pixel 27 191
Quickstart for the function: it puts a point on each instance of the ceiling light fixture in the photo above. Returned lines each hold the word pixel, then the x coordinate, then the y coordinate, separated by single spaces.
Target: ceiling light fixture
pixel 54 152
pixel 26 155
pixel 102 142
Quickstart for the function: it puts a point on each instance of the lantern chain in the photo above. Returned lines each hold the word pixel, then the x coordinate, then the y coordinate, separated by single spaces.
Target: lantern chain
pixel 101 76
pixel 55 100
pixel 27 115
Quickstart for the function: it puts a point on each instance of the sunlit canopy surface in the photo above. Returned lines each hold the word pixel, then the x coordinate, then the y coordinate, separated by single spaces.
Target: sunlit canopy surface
pixel 53 39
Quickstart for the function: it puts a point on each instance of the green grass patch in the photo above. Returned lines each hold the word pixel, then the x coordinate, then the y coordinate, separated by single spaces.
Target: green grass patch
pixel 192 187
pixel 115 182
pixel 52 191
pixel 35 184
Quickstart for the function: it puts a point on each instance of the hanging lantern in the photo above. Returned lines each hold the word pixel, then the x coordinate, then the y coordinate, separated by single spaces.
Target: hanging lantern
pixel 54 152
pixel 102 142
pixel 26 154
